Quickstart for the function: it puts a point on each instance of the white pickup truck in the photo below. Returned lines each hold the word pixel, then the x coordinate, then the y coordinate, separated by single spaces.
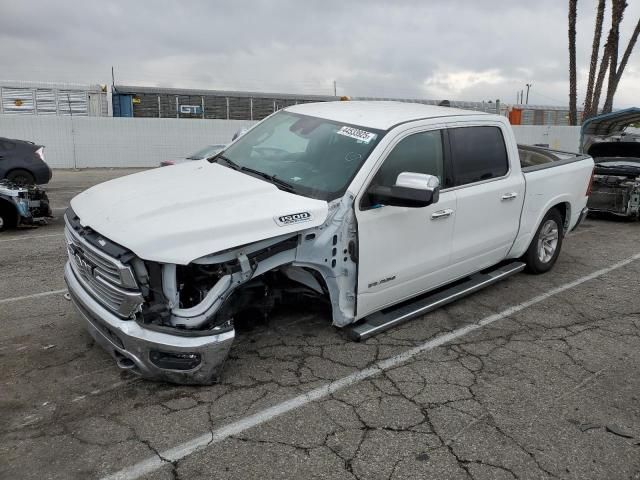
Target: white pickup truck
pixel 387 209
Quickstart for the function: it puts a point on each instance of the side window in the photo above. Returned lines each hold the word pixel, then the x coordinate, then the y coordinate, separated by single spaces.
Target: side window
pixel 418 153
pixel 478 153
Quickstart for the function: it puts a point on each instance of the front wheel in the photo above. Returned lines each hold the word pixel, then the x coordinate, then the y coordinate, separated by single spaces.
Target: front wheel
pixel 546 244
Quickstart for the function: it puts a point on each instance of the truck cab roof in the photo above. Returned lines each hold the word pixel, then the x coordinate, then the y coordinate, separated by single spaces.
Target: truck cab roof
pixel 380 115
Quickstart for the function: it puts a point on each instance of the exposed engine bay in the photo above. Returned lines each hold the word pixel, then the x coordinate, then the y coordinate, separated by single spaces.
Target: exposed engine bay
pixel 615 147
pixel 208 293
pixel 22 205
pixel 616 180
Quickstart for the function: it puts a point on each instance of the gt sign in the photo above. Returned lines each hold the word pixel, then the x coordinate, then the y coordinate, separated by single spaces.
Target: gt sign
pixel 191 109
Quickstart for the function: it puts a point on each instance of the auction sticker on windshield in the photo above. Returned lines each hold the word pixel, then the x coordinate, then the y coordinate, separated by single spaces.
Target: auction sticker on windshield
pixel 358 134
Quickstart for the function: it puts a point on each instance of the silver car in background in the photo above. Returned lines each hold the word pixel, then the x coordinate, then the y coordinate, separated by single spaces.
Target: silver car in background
pixel 202 154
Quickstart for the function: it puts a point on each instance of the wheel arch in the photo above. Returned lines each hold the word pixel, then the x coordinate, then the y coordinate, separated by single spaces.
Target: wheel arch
pixel 15 169
pixel 562 203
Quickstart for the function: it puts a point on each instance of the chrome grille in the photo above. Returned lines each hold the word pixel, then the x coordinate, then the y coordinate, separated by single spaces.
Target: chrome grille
pixel 105 278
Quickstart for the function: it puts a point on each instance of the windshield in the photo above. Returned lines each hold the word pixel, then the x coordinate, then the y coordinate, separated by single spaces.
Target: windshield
pixel 314 156
pixel 207 152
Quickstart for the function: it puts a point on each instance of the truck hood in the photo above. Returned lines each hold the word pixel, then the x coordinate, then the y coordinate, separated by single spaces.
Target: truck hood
pixel 180 213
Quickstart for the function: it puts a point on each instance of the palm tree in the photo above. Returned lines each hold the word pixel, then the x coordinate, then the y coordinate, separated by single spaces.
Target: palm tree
pixel 609 62
pixel 573 88
pixel 593 67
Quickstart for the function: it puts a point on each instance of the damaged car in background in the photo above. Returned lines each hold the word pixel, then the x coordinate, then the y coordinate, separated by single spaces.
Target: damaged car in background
pixel 371 205
pixel 616 152
pixel 22 205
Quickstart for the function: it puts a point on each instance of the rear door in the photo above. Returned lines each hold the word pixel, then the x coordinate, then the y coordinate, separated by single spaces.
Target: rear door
pixel 490 196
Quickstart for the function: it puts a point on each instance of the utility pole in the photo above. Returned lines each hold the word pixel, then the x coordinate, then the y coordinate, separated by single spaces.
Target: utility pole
pixel 334 89
pixel 73 134
pixel 528 87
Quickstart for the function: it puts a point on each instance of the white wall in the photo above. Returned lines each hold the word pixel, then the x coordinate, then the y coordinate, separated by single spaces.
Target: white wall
pixel 558 138
pixel 117 142
pixel 144 142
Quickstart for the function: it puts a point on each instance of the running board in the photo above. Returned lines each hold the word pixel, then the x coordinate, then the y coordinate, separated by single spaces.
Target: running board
pixel 390 317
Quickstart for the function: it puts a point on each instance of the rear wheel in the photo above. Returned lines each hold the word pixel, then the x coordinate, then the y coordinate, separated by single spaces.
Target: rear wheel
pixel 546 244
pixel 21 177
pixel 8 216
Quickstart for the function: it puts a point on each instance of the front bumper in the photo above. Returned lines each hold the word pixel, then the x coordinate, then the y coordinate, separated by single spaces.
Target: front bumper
pixel 131 345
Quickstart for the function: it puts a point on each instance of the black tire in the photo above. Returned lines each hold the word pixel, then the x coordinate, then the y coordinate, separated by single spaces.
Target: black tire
pixel 8 216
pixel 20 176
pixel 543 251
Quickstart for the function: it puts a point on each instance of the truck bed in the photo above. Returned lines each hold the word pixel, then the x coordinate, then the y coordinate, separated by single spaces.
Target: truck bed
pixel 539 158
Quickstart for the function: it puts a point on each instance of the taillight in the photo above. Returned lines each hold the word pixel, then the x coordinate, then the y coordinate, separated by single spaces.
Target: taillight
pixel 40 153
pixel 590 186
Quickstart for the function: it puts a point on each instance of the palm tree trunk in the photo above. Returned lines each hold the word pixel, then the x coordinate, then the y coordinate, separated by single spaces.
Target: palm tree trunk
pixel 593 68
pixel 623 63
pixel 617 11
pixel 573 88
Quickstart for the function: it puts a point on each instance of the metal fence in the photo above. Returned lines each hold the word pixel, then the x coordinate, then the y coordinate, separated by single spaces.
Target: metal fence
pixel 144 142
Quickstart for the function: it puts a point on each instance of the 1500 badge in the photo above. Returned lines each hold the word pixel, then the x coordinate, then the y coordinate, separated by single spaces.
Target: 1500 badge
pixel 284 220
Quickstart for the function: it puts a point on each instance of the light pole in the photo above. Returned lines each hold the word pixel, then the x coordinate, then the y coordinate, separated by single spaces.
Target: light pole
pixel 528 87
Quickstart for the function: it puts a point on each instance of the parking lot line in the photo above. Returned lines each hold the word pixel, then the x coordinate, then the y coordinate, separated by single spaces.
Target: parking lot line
pixel 34 295
pixel 28 237
pixel 185 449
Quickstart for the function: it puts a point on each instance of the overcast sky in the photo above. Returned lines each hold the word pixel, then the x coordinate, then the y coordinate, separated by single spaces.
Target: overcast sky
pixel 436 49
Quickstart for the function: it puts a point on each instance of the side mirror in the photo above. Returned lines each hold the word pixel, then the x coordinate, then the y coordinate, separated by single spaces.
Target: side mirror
pixel 411 190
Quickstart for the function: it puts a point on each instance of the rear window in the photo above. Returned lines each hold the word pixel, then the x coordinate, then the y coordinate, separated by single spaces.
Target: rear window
pixel 478 153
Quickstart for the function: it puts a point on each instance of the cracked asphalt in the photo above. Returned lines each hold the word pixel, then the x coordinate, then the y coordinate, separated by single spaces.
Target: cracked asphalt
pixel 550 391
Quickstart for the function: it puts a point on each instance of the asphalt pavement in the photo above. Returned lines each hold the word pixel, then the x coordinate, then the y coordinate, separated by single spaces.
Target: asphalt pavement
pixel 535 377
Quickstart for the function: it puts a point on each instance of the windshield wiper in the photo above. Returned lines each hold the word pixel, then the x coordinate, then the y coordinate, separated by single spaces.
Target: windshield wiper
pixel 230 163
pixel 271 178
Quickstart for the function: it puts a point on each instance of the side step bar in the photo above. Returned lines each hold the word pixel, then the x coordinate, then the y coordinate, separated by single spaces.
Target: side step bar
pixel 390 317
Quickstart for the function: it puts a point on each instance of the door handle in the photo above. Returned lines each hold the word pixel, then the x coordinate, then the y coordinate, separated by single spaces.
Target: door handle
pixel 442 214
pixel 509 196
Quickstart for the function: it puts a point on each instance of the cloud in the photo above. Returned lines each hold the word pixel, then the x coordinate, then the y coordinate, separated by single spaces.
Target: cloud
pixel 455 49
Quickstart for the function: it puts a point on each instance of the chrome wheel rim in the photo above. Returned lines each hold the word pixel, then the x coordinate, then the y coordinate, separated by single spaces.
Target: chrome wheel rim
pixel 548 241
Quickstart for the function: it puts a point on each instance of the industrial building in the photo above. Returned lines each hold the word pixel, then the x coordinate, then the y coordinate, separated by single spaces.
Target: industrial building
pixel 33 98
pixel 155 102
pixel 39 98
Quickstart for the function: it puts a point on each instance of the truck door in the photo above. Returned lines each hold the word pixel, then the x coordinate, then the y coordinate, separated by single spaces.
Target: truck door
pixel 404 251
pixel 490 196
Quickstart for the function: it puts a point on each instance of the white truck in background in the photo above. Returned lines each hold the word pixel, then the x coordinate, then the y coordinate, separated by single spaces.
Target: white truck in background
pixel 387 209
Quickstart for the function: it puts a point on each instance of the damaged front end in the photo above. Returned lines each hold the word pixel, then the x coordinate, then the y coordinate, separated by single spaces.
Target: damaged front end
pixel 615 148
pixel 23 205
pixel 176 322
pixel 616 194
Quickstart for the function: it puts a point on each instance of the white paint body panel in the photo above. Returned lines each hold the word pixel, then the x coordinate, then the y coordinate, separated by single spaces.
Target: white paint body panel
pixel 486 224
pixel 545 188
pixel 405 245
pixel 483 230
pixel 183 212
